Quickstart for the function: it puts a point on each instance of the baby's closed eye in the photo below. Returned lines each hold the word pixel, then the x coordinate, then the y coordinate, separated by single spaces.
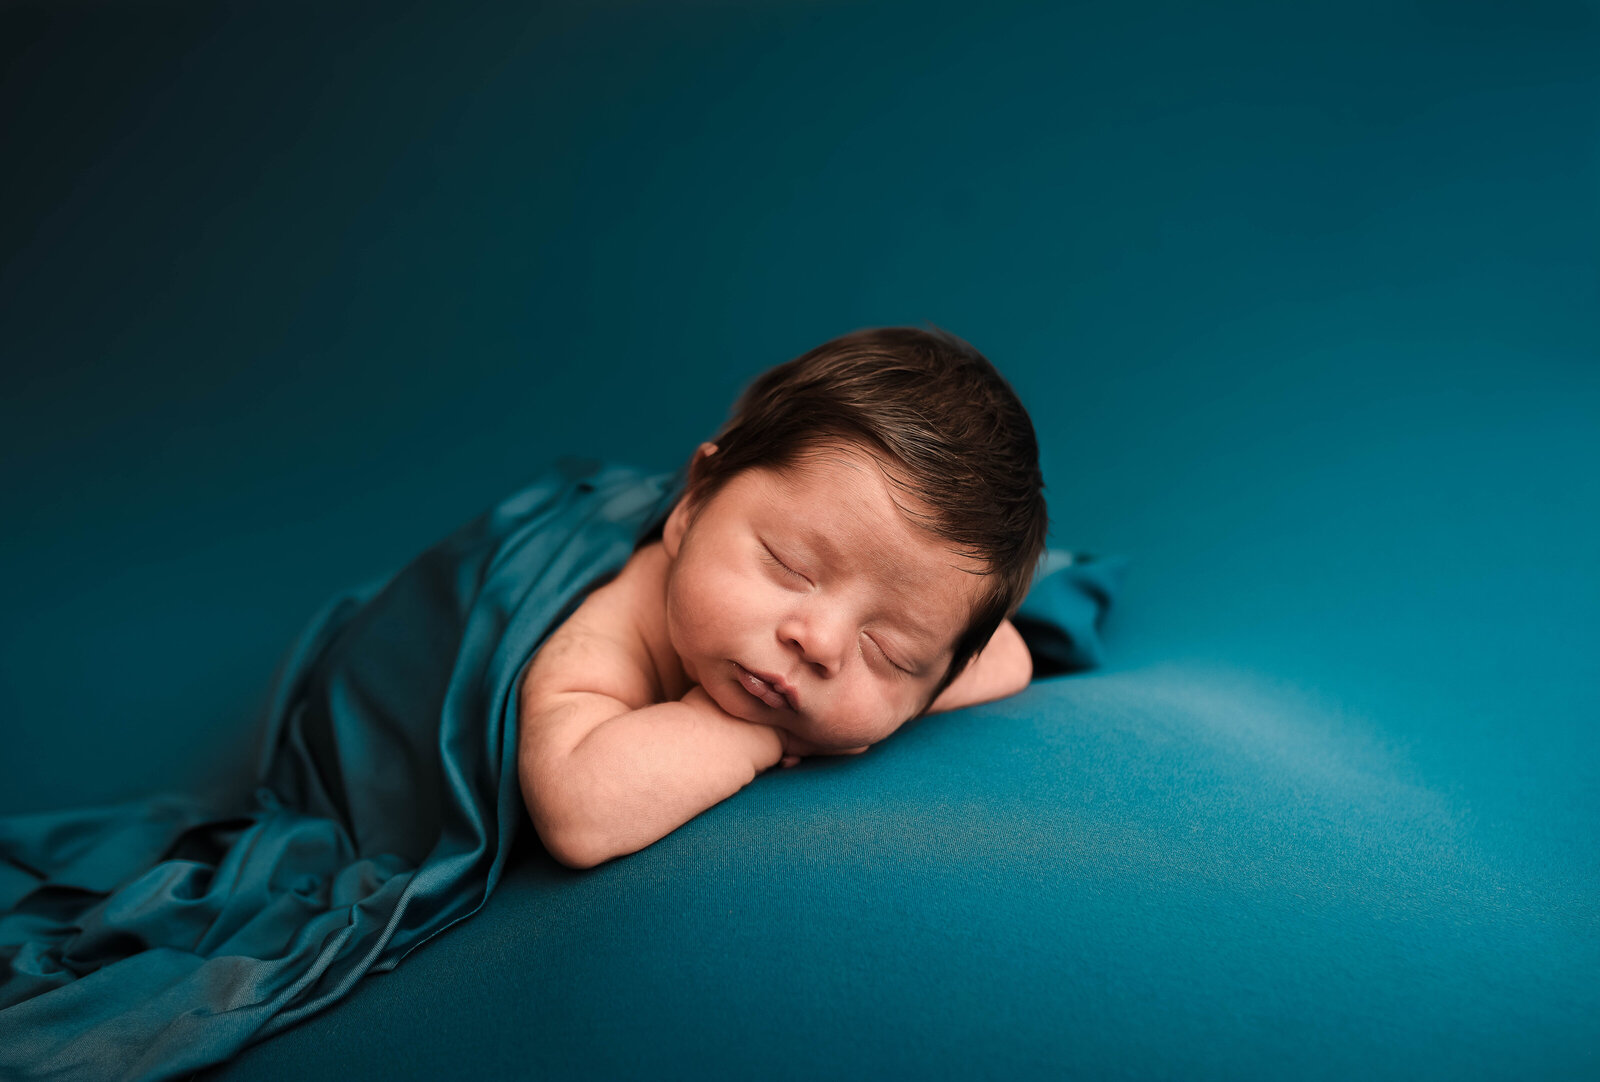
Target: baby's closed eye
pixel 777 561
pixel 878 645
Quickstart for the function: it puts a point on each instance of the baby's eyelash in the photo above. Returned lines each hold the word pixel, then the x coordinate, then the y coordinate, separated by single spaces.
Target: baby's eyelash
pixel 772 557
pixel 889 659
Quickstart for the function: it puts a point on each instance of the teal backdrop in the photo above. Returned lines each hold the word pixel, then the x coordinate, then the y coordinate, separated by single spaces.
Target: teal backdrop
pixel 1304 300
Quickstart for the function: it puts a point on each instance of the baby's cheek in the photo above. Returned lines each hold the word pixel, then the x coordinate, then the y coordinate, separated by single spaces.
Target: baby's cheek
pixel 684 626
pixel 864 716
pixel 700 616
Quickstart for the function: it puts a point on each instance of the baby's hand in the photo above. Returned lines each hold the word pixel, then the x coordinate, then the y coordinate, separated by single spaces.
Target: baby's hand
pixel 795 748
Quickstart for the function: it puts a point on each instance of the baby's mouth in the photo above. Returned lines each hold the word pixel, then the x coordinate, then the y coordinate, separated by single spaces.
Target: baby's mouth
pixel 761 689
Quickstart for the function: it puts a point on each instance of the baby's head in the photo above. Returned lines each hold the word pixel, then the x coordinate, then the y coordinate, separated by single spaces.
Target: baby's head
pixel 867 517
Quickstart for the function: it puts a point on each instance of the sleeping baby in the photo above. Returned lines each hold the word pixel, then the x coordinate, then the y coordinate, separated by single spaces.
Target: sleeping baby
pixel 845 557
pixel 849 552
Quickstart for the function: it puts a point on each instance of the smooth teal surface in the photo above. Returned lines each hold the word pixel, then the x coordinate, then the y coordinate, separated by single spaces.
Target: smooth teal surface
pixel 1303 300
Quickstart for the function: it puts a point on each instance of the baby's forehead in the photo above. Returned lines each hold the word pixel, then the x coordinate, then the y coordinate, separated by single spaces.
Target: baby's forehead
pixel 852 480
pixel 843 473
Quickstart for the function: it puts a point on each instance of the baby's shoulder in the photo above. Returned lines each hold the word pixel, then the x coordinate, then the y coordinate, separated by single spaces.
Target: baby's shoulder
pixel 612 644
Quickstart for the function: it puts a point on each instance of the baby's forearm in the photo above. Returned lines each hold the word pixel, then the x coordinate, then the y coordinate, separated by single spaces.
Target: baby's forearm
pixel 640 775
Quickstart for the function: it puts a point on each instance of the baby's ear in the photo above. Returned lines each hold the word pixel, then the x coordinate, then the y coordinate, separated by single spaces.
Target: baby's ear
pixel 673 529
pixel 678 521
pixel 701 453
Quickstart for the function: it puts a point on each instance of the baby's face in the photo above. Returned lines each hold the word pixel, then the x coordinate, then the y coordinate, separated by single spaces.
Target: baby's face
pixel 806 600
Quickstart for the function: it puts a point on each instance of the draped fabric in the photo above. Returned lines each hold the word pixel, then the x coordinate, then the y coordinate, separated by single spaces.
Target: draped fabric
pixel 148 939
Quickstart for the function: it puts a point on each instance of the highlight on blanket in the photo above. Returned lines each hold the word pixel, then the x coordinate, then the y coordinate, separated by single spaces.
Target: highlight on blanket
pixel 346 346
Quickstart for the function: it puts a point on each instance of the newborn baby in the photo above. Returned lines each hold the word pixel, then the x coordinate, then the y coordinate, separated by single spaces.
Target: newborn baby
pixel 844 558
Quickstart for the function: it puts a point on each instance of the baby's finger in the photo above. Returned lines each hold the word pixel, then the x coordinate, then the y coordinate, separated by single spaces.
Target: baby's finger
pixel 789 760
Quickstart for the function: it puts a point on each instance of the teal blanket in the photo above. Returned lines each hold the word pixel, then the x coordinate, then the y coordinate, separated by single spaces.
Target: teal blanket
pixel 149 939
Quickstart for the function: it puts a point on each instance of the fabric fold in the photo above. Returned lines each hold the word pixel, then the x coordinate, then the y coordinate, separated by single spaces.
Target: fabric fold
pixel 150 938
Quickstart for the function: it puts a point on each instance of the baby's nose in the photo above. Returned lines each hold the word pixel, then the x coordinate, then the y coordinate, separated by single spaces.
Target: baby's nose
pixel 820 641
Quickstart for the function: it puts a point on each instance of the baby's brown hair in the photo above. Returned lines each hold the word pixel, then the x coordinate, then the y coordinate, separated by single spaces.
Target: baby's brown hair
pixel 950 428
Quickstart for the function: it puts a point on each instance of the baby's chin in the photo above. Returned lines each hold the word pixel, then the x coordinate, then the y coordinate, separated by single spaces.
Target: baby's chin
pixel 842 738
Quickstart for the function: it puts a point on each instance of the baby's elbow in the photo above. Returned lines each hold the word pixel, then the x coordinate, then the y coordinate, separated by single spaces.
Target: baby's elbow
pixel 1016 663
pixel 564 836
pixel 1019 678
pixel 576 846
pixel 573 849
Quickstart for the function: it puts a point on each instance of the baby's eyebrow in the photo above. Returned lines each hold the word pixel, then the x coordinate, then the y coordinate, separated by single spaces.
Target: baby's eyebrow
pixel 822 543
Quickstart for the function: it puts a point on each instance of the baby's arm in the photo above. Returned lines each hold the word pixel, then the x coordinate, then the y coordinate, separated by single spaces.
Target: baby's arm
pixel 602 780
pixel 1002 668
pixel 606 769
